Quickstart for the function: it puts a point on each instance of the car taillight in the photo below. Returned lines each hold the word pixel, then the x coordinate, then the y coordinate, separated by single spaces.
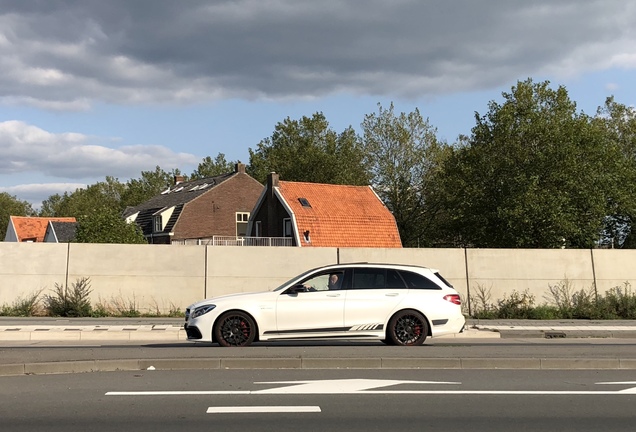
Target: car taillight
pixel 453 298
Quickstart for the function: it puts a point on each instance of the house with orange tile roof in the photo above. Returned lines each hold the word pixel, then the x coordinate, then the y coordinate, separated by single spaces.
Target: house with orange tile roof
pixel 30 229
pixel 323 215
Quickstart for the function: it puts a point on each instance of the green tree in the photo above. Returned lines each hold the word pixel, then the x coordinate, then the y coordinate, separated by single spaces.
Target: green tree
pixel 405 158
pixel 51 206
pixel 535 173
pixel 150 183
pixel 620 124
pixel 84 201
pixel 107 226
pixel 309 150
pixel 212 167
pixel 10 205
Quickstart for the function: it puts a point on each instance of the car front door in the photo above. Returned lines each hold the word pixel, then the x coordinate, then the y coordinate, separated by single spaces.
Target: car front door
pixel 318 310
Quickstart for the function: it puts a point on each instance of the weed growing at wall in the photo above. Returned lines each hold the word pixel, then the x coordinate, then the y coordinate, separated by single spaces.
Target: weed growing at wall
pixel 70 301
pixel 23 306
pixel 563 302
pixel 74 302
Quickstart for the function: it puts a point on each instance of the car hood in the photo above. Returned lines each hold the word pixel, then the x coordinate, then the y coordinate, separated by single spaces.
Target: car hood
pixel 255 296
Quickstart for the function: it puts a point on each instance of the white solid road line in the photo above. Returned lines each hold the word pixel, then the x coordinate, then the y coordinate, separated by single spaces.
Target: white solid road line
pixel 262 409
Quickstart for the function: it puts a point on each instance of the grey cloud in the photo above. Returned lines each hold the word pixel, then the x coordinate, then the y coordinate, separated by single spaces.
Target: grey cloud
pixel 63 53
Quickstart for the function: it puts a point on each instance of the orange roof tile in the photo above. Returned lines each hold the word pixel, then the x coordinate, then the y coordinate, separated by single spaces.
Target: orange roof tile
pixel 341 215
pixel 34 228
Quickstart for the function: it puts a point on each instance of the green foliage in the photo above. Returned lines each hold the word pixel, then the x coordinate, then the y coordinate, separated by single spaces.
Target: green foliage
pixel 85 201
pixel 70 302
pixel 619 122
pixel 405 158
pixel 213 167
pixel 125 307
pixel 23 306
pixel 534 173
pixel 108 226
pixel 11 206
pixel 308 150
pixel 565 303
pixel 109 194
pixel 150 183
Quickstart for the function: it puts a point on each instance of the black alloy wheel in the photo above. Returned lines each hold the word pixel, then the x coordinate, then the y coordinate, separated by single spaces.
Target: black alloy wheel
pixel 235 329
pixel 407 327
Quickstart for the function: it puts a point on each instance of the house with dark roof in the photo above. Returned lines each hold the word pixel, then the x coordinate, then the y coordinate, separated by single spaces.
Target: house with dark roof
pixel 323 215
pixel 31 229
pixel 60 232
pixel 197 211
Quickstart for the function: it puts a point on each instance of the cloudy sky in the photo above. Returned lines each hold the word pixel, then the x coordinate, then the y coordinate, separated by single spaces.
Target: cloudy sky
pixel 94 88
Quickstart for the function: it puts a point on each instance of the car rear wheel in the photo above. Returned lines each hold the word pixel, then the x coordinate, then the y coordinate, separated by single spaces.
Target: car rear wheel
pixel 407 327
pixel 235 329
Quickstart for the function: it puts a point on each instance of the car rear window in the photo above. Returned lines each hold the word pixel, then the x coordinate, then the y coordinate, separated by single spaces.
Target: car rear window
pixel 443 280
pixel 417 281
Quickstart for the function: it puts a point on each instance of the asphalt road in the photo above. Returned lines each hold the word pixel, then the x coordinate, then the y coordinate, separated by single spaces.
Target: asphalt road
pixel 39 357
pixel 320 400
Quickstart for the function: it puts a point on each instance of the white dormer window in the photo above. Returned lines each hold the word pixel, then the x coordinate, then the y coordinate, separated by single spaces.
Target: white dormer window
pixel 157 223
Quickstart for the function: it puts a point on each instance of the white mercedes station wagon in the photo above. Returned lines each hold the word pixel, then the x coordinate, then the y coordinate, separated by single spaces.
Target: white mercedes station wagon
pixel 397 304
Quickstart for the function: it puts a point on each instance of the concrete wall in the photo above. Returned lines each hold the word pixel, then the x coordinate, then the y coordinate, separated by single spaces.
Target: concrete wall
pixel 163 277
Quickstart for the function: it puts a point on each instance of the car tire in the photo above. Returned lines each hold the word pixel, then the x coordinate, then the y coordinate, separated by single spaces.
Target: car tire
pixel 407 328
pixel 235 329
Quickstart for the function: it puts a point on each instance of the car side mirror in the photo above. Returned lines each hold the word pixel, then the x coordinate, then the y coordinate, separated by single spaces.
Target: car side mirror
pixel 296 289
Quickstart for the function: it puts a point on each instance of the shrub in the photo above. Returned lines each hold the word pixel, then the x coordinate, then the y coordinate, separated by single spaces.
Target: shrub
pixel 70 302
pixel 515 306
pixel 23 306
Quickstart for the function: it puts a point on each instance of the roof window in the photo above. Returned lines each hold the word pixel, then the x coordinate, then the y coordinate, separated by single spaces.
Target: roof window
pixel 304 202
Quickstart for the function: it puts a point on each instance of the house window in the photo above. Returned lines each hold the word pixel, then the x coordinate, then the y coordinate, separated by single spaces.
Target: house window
pixel 258 229
pixel 287 230
pixel 242 218
pixel 157 224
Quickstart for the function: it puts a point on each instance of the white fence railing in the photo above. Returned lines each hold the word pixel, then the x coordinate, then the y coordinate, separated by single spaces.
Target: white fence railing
pixel 237 241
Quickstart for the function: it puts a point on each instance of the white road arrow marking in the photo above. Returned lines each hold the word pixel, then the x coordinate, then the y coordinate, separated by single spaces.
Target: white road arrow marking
pixel 631 390
pixel 343 386
pixel 368 387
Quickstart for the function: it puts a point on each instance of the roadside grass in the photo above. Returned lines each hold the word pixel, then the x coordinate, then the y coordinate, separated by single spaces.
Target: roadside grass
pixel 563 301
pixel 74 301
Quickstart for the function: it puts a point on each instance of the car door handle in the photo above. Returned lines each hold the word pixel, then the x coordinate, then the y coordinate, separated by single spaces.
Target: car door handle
pixel 333 295
pixel 392 294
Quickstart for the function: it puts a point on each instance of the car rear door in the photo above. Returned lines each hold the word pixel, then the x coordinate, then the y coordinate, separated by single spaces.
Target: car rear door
pixel 373 294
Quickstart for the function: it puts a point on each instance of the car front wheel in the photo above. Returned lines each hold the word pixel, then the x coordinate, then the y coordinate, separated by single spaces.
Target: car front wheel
pixel 407 327
pixel 235 329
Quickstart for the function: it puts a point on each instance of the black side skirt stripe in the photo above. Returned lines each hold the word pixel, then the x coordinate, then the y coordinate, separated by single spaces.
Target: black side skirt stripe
pixel 330 330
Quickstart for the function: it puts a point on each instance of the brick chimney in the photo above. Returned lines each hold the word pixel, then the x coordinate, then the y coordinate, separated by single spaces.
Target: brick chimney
pixel 178 179
pixel 239 168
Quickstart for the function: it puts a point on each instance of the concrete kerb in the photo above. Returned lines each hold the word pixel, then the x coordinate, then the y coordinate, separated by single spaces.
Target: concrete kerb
pixel 66 367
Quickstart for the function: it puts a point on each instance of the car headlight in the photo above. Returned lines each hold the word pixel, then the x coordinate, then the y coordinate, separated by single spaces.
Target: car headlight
pixel 201 310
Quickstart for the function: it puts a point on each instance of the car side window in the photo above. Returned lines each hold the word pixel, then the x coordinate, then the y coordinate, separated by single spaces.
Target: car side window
pixel 370 278
pixel 417 281
pixel 317 283
pixel 394 280
pixel 329 281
